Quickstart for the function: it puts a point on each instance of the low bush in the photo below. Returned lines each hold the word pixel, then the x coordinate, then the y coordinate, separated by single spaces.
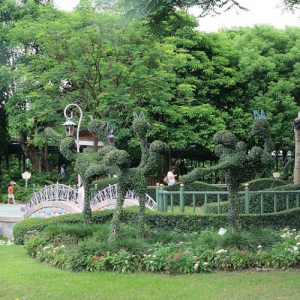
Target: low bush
pixel 193 252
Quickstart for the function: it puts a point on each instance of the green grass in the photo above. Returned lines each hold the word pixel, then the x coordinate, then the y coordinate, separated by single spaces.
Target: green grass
pixel 23 278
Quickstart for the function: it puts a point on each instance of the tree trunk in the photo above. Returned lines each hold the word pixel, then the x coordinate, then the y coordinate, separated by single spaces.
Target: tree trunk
pixel 233 209
pixel 87 213
pixel 45 158
pixel 31 152
pixel 297 151
pixel 141 217
pixel 95 144
pixel 116 220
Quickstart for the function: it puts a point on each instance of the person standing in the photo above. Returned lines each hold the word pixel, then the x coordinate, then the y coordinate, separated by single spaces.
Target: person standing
pixel 171 176
pixel 63 170
pixel 10 191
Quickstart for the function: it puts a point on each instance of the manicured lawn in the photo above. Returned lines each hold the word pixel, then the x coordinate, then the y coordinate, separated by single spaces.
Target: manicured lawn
pixel 21 277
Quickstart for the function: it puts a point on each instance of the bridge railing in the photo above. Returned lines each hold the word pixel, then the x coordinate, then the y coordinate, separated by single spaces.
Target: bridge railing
pixel 111 193
pixel 257 202
pixel 54 192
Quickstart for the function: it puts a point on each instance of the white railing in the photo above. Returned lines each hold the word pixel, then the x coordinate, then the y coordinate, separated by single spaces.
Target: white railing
pixel 54 192
pixel 111 193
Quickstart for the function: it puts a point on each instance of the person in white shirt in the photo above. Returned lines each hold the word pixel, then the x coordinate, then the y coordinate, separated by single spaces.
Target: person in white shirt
pixel 171 176
pixel 62 170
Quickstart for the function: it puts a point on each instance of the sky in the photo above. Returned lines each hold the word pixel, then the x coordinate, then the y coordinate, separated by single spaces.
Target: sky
pixel 260 12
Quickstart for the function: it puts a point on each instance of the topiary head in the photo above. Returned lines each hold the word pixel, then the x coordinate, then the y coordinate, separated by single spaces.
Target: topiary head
pixel 159 147
pixel 260 128
pixel 118 157
pixel 98 128
pixel 226 138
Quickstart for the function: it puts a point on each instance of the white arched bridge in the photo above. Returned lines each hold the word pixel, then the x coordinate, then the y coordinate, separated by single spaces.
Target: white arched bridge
pixel 58 199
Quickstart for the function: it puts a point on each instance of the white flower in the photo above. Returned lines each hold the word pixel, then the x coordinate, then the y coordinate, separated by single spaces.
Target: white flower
pixel 221 251
pixel 205 263
pixel 259 246
pixel 196 266
pixel 286 235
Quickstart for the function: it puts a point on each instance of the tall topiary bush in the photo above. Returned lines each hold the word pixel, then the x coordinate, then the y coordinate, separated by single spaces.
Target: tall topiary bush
pixel 238 164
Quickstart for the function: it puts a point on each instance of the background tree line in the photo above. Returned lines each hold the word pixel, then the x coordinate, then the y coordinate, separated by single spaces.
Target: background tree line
pixel 188 84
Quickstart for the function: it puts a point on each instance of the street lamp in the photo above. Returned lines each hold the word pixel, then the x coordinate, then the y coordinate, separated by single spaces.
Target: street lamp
pixel 111 139
pixel 26 176
pixel 69 128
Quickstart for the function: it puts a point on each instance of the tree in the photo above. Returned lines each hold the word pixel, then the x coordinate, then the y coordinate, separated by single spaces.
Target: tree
pixel 20 79
pixel 268 61
pixel 161 10
pixel 292 5
pixel 110 69
pixel 8 16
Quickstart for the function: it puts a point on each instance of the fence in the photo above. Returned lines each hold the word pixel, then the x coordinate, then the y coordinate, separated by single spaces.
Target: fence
pixel 257 202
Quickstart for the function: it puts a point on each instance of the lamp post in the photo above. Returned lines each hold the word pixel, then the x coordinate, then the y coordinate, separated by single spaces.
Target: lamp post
pixel 26 176
pixel 111 138
pixel 69 128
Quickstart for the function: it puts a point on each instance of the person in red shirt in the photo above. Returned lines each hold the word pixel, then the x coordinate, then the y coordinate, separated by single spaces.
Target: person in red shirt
pixel 11 192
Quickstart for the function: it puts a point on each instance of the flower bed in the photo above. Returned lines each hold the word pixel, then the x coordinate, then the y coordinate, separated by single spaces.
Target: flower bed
pixel 195 253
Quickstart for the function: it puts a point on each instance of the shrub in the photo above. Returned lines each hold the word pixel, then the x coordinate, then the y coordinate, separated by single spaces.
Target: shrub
pixel 195 253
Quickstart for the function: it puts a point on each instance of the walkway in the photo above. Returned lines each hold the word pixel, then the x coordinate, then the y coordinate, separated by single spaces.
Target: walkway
pixel 9 216
pixel 11 210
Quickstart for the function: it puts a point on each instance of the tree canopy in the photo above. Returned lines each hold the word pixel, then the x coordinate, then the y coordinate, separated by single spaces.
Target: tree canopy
pixel 188 84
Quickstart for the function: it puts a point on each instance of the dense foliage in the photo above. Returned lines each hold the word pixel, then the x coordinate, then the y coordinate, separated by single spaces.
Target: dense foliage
pixel 239 164
pixel 189 84
pixel 79 248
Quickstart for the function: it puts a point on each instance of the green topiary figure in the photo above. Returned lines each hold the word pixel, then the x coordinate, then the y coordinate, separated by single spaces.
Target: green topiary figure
pixel 135 178
pixel 88 163
pixel 111 160
pixel 238 164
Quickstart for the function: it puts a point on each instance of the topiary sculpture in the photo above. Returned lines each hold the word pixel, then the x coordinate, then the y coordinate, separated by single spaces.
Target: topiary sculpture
pixel 88 163
pixel 111 160
pixel 135 178
pixel 238 165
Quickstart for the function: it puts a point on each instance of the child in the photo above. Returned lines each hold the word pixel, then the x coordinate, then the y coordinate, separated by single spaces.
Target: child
pixel 11 192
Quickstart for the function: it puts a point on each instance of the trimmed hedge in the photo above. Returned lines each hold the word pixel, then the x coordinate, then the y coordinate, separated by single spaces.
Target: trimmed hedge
pixel 167 221
pixel 254 200
pixel 197 186
pixel 264 184
pixel 104 183
pixel 184 222
pixel 38 224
